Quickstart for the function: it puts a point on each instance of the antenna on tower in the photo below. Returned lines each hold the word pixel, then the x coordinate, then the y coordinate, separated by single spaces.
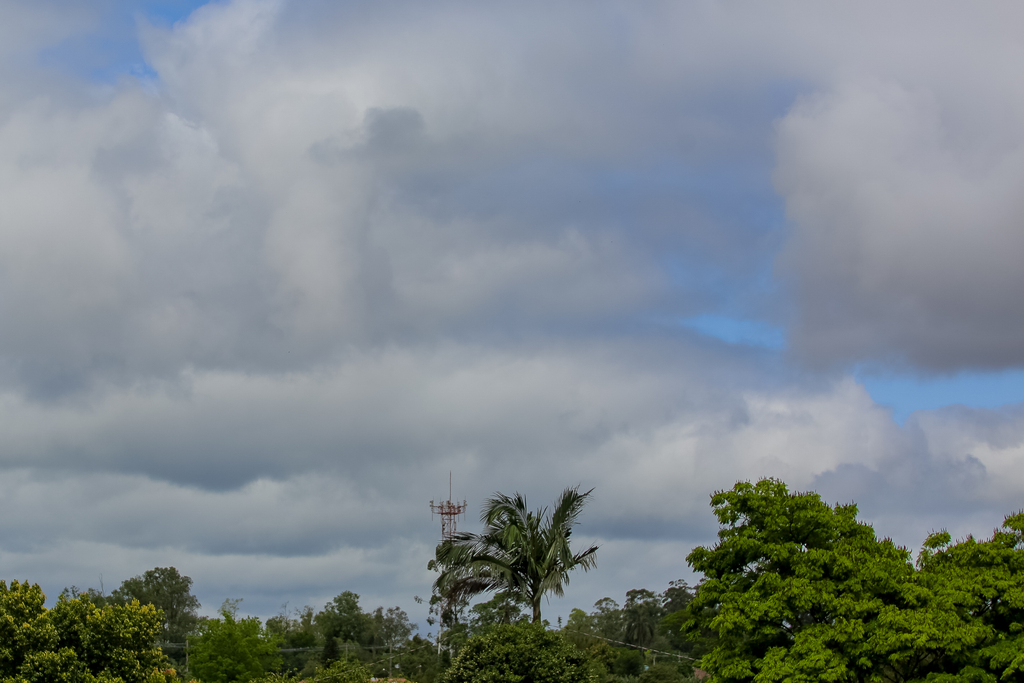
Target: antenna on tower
pixel 449 512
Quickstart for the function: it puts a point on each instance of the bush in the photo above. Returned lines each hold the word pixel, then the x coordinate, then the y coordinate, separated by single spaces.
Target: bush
pixel 514 653
pixel 339 671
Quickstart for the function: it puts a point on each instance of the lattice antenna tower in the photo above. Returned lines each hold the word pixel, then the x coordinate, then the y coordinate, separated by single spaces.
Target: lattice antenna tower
pixel 449 512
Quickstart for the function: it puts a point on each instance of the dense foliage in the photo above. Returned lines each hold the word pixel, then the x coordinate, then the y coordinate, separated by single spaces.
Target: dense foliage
pixel 232 649
pixel 76 641
pixel 339 671
pixel 514 653
pixel 797 590
pixel 169 592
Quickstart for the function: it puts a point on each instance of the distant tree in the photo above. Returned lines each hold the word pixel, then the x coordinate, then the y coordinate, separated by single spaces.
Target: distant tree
pixel 641 614
pixel 676 597
pixel 169 592
pixel 665 672
pixel 503 608
pixel 342 620
pixel 579 629
pixel 76 641
pixel 674 601
pixel 522 552
pixel 518 653
pixel 421 662
pixel 231 649
pixel 608 619
pixel 341 671
pixel 295 632
pixel 392 628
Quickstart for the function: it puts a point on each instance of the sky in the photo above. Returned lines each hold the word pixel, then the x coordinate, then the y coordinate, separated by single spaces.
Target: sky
pixel 270 270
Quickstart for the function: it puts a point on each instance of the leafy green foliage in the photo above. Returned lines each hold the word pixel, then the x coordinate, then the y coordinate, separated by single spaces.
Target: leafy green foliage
pixel 391 627
pixel 797 590
pixel 232 649
pixel 342 618
pixel 76 641
pixel 524 553
pixel 642 612
pixel 169 592
pixel 516 653
pixel 984 582
pixel 503 608
pixel 298 637
pixel 665 672
pixel 340 671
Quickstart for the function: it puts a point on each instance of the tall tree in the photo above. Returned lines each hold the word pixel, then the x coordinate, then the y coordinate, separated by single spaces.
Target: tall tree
pixel 503 608
pixel 232 649
pixel 522 552
pixel 168 591
pixel 344 619
pixel 641 614
pixel 392 628
pixel 797 590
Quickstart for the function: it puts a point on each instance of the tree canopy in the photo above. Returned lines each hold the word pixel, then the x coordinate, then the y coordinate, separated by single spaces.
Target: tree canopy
pixel 233 649
pixel 76 641
pixel 168 591
pixel 516 653
pixel 798 590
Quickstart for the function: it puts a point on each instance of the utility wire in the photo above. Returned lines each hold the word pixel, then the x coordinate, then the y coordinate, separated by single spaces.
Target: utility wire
pixel 638 647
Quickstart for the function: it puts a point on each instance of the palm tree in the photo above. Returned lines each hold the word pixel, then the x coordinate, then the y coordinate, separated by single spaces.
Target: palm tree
pixel 524 553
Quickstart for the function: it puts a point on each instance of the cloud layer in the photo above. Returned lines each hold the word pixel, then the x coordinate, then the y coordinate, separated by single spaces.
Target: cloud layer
pixel 256 308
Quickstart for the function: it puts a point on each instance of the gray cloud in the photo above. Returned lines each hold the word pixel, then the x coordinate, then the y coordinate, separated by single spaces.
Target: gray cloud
pixel 256 310
pixel 906 233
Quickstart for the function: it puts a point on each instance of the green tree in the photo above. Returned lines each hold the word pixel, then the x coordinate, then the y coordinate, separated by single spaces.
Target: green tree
pixel 76 641
pixel 232 649
pixel 579 629
pixel 297 633
pixel 391 628
pixel 340 671
pixel 983 580
pixel 503 608
pixel 797 590
pixel 343 618
pixel 641 614
pixel 608 619
pixel 518 653
pixel 525 553
pixel 168 591
pixel 675 600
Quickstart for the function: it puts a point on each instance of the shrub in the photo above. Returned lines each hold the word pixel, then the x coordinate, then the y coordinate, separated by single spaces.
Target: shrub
pixel 518 653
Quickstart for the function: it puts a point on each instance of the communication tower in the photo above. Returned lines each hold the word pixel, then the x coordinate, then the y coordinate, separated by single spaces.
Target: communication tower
pixel 449 512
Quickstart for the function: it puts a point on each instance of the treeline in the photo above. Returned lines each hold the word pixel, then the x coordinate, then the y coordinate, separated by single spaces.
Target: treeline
pixel 149 630
pixel 640 640
pixel 230 647
pixel 794 590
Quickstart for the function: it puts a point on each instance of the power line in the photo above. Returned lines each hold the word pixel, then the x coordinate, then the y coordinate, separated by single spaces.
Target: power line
pixel 638 647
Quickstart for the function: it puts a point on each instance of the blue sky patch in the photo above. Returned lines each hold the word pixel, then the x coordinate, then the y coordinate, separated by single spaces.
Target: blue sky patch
pixel 906 394
pixel 738 331
pixel 109 49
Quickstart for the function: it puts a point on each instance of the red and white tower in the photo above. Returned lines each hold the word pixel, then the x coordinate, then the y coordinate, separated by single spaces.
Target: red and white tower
pixel 449 512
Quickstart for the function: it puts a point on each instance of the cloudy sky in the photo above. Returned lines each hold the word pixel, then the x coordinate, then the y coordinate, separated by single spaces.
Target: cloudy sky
pixel 270 269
